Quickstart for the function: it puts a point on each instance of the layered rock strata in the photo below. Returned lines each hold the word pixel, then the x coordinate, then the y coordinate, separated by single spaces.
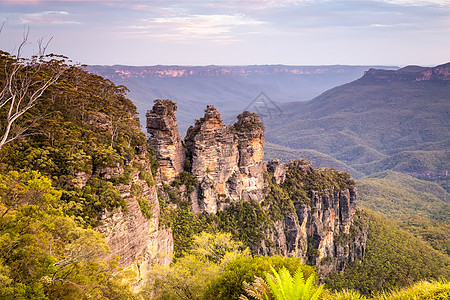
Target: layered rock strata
pixel 227 161
pixel 165 139
pixel 318 228
pixel 249 131
pixel 138 240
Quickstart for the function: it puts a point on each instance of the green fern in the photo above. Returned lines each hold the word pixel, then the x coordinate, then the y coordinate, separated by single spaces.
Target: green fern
pixel 282 286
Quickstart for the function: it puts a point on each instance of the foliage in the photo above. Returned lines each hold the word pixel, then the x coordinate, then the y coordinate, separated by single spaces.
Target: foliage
pixel 326 180
pixel 344 294
pixel 421 207
pixel 424 290
pixel 86 204
pixel 146 208
pixel 186 279
pixel 246 221
pixel 190 275
pixel 44 253
pixel 436 233
pixel 285 287
pixel 184 224
pixel 86 128
pixel 393 259
pixel 398 195
pixel 229 285
pixel 258 289
pixel 23 81
pixel 83 133
pixel 188 180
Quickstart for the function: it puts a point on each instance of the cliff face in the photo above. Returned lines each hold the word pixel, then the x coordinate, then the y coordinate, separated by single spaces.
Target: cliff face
pixel 227 162
pixel 214 158
pixel 165 139
pixel 137 238
pixel 318 225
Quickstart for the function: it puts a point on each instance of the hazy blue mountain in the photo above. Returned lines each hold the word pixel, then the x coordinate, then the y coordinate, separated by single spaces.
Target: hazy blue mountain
pixel 230 88
pixel 388 119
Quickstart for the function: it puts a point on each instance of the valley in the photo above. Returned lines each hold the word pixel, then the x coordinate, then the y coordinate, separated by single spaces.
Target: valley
pixel 92 206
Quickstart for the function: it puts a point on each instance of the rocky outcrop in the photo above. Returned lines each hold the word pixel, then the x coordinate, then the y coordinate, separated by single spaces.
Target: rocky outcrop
pixel 307 213
pixel 278 169
pixel 165 139
pixel 249 131
pixel 214 157
pixel 227 162
pixel 317 229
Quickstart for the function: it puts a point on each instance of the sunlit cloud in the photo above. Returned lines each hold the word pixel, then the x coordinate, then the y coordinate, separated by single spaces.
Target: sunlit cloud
pixel 47 17
pixel 217 27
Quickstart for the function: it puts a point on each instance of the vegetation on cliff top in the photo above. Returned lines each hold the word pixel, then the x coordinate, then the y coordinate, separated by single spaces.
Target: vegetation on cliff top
pixel 87 128
pixel 57 177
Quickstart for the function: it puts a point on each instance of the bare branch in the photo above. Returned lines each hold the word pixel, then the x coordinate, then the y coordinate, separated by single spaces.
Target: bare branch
pixel 43 49
pixel 25 81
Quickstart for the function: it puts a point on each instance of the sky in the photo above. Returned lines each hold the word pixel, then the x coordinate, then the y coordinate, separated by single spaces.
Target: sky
pixel 233 32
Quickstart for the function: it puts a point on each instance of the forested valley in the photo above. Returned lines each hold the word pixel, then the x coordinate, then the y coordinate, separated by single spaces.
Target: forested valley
pixel 86 212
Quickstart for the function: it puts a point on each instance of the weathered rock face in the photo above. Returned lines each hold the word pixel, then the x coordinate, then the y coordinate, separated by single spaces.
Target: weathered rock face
pixel 214 157
pixel 226 161
pixel 138 240
pixel 165 139
pixel 249 131
pixel 318 229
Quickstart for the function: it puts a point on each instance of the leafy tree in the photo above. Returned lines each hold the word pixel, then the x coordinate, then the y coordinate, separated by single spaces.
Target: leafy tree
pixel 45 254
pixel 190 275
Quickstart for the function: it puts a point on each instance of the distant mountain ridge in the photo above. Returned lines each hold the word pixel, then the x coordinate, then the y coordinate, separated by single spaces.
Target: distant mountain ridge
pixel 229 88
pixel 161 71
pixel 411 73
pixel 386 120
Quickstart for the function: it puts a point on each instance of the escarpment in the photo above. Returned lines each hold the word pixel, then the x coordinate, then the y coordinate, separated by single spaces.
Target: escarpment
pixel 135 234
pixel 289 209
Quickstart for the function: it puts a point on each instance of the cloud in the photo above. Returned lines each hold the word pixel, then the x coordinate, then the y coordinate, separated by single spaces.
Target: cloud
pixel 47 17
pixel 419 2
pixel 217 27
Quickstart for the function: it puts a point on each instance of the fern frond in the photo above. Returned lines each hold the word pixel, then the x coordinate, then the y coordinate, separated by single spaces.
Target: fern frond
pixel 258 289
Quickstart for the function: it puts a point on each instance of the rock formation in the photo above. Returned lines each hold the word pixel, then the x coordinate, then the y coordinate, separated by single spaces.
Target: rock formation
pixel 308 213
pixel 249 131
pixel 165 139
pixel 318 228
pixel 214 157
pixel 227 162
